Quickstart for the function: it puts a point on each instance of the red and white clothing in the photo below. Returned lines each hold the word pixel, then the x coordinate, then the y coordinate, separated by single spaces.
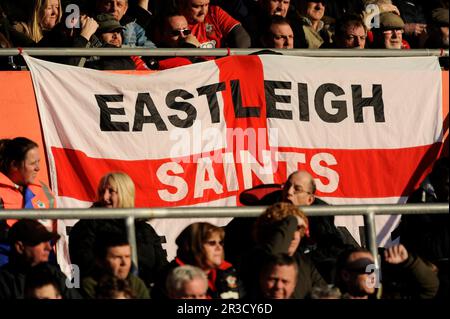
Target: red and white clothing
pixel 216 26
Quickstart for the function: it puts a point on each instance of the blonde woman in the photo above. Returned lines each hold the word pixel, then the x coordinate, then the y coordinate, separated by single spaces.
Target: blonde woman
pixel 116 190
pixel 46 14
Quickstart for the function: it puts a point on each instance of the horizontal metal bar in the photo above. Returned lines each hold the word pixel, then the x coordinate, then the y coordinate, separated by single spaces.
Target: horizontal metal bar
pixel 205 212
pixel 220 52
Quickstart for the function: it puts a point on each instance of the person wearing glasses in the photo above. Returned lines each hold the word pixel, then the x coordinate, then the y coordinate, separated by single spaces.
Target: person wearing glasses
pixel 390 33
pixel 176 34
pixel 201 245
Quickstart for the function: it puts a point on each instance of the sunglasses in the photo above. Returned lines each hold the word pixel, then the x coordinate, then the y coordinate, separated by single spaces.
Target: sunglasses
pixel 214 243
pixel 181 32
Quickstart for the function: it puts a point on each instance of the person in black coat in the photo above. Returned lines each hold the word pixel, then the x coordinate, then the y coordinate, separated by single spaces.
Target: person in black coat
pixel 428 235
pixel 325 241
pixel 116 190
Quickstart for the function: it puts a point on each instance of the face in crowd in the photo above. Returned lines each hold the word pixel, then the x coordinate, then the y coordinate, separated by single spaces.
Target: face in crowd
pixel 354 37
pixel 315 10
pixel 47 291
pixel 118 261
pixel 393 38
pixel 282 35
pixel 279 282
pixel 357 276
pixel 117 8
pixel 114 38
pixel 299 189
pixel 177 30
pixel 196 10
pixel 214 251
pixel 277 7
pixel 109 195
pixel 34 255
pixel 195 289
pixel 51 14
pixel 25 172
pixel 300 232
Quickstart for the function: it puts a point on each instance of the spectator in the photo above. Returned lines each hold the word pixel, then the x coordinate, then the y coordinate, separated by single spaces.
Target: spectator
pixel 278 277
pixel 19 166
pixel 113 259
pixel 212 26
pixel 40 283
pixel 428 235
pixel 110 34
pixel 187 282
pixel 278 34
pixel 280 230
pixel 326 292
pixel 68 35
pixel 438 33
pixel 110 287
pixel 201 245
pixel 350 33
pixel 133 33
pixel 413 14
pixel 356 280
pixel 325 242
pixel 30 246
pixel 116 190
pixel 390 33
pixel 176 34
pixel 46 14
pixel 316 31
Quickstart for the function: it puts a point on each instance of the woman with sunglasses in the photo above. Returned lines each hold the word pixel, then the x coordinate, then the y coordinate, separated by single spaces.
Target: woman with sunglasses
pixel 280 230
pixel 201 245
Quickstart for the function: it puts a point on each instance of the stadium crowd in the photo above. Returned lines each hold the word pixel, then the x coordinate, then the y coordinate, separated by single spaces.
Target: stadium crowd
pixel 281 254
pixel 362 24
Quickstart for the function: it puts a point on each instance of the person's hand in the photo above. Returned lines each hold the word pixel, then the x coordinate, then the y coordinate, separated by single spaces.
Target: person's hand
pixel 88 27
pixel 191 39
pixel 415 29
pixel 396 254
pixel 388 8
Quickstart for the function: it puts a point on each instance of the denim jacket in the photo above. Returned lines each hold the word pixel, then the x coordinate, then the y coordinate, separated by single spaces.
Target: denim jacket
pixel 134 36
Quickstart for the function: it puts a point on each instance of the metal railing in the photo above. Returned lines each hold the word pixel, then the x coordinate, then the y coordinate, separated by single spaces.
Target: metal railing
pixel 220 52
pixel 367 211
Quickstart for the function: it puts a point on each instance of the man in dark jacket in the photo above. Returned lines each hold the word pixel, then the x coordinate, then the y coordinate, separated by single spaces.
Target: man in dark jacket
pixel 30 247
pixel 325 242
pixel 428 235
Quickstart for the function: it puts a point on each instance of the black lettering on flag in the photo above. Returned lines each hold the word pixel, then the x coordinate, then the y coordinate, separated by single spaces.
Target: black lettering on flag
pixel 106 125
pixel 341 106
pixel 376 101
pixel 303 102
pixel 140 118
pixel 272 99
pixel 188 108
pixel 241 111
pixel 211 95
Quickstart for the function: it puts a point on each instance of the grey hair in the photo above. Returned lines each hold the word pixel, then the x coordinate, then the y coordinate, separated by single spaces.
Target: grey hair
pixel 179 276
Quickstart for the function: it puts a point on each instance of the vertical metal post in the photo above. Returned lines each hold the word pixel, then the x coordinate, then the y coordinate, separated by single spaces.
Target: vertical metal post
pixel 131 234
pixel 371 243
